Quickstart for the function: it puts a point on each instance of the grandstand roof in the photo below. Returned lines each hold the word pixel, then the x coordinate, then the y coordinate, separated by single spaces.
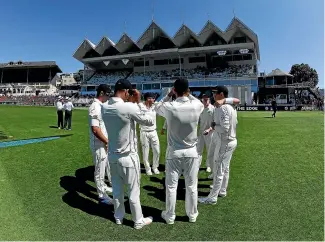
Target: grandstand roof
pixel 208 29
pixel 151 33
pixel 84 47
pixel 30 64
pixel 104 44
pixel 278 72
pixel 182 35
pixel 124 43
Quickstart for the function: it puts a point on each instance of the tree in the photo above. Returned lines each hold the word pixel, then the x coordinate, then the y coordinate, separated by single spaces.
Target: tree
pixel 304 73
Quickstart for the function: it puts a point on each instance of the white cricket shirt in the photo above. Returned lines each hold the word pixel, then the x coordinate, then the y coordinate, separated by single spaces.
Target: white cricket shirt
pixel 95 119
pixel 119 117
pixel 225 118
pixel 150 112
pixel 182 117
pixel 206 118
pixel 59 106
pixel 68 106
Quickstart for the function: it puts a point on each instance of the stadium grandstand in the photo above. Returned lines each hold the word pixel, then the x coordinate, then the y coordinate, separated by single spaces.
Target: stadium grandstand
pixel 28 83
pixel 27 78
pixel 209 58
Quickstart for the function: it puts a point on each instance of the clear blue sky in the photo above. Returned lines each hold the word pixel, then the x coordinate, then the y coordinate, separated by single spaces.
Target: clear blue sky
pixel 289 31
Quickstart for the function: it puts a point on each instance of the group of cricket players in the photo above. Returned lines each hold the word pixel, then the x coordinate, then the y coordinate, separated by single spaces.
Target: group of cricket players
pixel 113 140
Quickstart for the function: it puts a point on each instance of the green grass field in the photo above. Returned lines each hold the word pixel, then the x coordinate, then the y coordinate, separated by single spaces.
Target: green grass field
pixel 276 189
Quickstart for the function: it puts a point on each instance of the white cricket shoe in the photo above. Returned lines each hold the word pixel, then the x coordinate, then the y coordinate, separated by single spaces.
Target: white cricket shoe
pixel 163 215
pixel 207 200
pixel 109 189
pixel 156 171
pixel 145 221
pixel 149 173
pixel 118 221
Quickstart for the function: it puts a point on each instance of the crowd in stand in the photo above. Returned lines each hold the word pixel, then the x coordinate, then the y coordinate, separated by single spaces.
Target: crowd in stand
pixel 30 100
pixel 107 77
pixel 199 72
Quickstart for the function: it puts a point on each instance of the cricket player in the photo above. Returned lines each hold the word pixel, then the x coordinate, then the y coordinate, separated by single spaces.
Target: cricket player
pixel 205 121
pixel 119 116
pixel 182 116
pixel 68 107
pixel 149 136
pixel 99 143
pixel 59 110
pixel 224 127
pixel 274 107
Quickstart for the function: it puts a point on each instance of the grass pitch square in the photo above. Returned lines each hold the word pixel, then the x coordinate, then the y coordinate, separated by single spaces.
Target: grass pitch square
pixel 276 188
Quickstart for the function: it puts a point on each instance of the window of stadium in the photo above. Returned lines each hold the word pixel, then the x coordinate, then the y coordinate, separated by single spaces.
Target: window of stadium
pixel 147 86
pixel 196 59
pixel 140 63
pixel 155 86
pixel 168 62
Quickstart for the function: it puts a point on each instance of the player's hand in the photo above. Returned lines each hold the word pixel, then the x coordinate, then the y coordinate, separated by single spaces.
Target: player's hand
pixel 162 132
pixel 171 93
pixel 136 97
pixel 206 132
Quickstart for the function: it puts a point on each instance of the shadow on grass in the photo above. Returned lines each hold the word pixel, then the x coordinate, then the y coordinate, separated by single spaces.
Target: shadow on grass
pixel 53 127
pixel 268 117
pixel 160 194
pixel 81 195
pixel 3 136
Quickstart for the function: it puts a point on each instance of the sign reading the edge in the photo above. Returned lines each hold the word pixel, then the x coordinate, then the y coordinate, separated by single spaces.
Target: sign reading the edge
pixel 269 108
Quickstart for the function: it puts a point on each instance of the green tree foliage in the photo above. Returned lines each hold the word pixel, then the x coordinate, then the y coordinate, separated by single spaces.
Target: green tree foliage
pixel 304 73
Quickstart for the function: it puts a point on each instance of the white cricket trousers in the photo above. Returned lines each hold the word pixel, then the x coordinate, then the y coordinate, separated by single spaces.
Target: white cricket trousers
pixel 101 165
pixel 189 167
pixel 204 140
pixel 147 139
pixel 213 148
pixel 126 171
pixel 221 172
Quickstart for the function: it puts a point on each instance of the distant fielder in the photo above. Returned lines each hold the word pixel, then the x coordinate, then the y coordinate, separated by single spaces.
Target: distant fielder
pixel 149 136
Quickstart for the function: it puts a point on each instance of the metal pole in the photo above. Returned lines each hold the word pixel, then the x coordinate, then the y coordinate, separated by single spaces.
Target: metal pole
pixel 83 74
pixel 180 65
pixel 27 74
pixel 144 67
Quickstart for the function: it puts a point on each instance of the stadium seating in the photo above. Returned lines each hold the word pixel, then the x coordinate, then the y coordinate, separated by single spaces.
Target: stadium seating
pixel 105 78
pixel 197 73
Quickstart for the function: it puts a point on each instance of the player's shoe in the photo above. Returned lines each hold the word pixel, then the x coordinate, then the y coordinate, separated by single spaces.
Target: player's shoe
pixel 109 189
pixel 118 221
pixel 192 220
pixel 208 169
pixel 145 221
pixel 222 194
pixel 148 172
pixel 207 200
pixel 156 171
pixel 106 200
pixel 163 215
